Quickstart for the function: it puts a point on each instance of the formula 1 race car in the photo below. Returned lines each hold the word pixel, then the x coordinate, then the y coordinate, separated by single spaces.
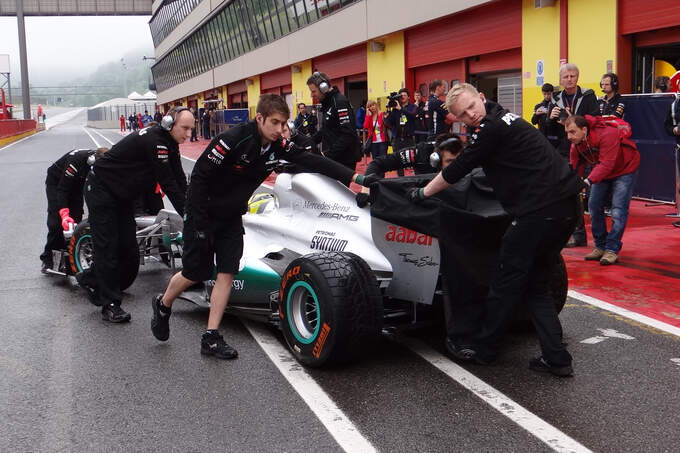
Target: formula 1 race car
pixel 332 276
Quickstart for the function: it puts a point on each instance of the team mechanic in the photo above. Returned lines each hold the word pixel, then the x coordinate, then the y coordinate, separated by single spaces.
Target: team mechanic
pixel 64 189
pixel 337 134
pixel 131 168
pixel 227 173
pixel 536 187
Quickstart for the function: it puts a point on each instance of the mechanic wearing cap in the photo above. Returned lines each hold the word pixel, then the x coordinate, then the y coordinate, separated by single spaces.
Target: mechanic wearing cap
pixel 338 134
pixel 64 188
pixel 131 168
pixel 539 190
pixel 233 165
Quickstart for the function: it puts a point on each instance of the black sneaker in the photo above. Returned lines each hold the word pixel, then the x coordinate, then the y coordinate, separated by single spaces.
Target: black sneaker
pixel 160 322
pixel 539 364
pixel 113 313
pixel 45 266
pixel 214 344
pixel 81 278
pixel 459 352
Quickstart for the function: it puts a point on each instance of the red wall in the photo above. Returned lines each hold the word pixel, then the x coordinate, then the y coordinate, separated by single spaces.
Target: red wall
pixel 643 15
pixel 491 28
pixel 275 79
pixel 341 63
pixel 9 128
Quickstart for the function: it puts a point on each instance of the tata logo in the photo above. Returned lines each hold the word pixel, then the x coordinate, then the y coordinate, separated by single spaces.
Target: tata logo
pixel 401 234
pixel 338 216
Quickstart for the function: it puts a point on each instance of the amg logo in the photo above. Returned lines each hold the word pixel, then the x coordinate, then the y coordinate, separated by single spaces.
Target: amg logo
pixel 328 244
pixel 335 215
pixel 401 234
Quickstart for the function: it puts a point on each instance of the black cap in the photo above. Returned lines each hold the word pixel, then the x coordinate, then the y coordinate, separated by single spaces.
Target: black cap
pixel 547 88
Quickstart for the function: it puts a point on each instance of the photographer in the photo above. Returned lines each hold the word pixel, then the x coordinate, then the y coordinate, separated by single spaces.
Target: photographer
pixel 402 120
pixel 540 116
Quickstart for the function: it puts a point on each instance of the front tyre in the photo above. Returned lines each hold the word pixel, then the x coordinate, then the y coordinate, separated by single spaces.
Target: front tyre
pixel 331 308
pixel 81 252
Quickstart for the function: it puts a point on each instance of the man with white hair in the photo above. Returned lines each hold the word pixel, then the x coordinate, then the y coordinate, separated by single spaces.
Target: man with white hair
pixel 539 191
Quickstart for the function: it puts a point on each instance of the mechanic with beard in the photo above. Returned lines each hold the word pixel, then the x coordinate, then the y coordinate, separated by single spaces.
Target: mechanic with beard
pixel 131 168
pixel 612 102
pixel 225 176
pixel 539 190
pixel 337 134
pixel 64 189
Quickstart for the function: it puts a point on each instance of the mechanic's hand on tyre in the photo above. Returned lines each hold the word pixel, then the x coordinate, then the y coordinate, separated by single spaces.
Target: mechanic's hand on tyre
pixel 362 199
pixel 415 194
pixel 66 220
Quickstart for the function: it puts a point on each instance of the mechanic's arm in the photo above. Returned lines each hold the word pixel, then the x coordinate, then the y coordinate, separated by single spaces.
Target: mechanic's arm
pixel 386 163
pixel 66 182
pixel 313 163
pixel 165 176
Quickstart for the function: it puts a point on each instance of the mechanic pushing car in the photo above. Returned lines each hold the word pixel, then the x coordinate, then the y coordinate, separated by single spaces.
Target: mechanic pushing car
pixel 64 188
pixel 539 190
pixel 131 168
pixel 226 174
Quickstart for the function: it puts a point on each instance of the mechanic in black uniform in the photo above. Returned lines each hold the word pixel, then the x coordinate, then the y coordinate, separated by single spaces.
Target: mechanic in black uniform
pixel 612 102
pixel 672 127
pixel 131 168
pixel 64 188
pixel 337 134
pixel 440 119
pixel 305 122
pixel 539 190
pixel 227 173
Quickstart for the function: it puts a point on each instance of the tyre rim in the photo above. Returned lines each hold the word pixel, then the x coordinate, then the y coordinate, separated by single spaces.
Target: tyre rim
pixel 303 312
pixel 84 253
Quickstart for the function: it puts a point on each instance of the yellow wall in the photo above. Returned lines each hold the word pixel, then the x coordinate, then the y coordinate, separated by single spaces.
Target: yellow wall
pixel 592 39
pixel 253 95
pixel 540 41
pixel 223 95
pixel 386 69
pixel 200 100
pixel 299 85
pixel 7 140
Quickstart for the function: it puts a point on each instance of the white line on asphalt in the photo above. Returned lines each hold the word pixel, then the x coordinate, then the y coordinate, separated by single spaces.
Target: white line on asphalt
pixel 660 325
pixel 335 421
pixel 102 136
pixel 96 143
pixel 539 428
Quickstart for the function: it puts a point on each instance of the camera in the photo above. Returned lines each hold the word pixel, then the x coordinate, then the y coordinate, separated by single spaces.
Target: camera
pixel 563 114
pixel 393 99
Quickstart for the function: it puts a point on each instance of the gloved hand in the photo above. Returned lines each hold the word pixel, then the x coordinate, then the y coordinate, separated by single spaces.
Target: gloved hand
pixel 416 194
pixel 366 180
pixel 66 220
pixel 362 199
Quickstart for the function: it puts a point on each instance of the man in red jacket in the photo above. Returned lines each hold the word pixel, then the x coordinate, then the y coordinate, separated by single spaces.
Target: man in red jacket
pixel 615 161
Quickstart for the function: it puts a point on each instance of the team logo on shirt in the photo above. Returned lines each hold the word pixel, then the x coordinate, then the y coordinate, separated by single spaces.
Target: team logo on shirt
pixel 71 171
pixel 161 152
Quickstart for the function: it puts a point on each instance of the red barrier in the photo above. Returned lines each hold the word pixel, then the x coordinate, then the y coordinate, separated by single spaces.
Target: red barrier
pixel 9 128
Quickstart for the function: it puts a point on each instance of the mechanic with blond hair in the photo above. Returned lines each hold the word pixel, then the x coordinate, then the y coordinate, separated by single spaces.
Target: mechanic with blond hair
pixel 535 185
pixel 226 174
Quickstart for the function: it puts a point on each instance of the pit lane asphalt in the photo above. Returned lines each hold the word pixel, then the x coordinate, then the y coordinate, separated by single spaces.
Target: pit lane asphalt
pixel 70 382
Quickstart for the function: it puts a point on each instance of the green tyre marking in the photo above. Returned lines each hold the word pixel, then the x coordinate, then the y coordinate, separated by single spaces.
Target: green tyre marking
pixel 293 329
pixel 77 250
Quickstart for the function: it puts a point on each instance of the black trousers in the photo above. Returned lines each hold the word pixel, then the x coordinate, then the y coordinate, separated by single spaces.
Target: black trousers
pixel 113 237
pixel 55 233
pixel 528 257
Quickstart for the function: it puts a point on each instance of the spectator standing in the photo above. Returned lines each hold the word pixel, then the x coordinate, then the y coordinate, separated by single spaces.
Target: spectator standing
pixel 195 128
pixel 338 134
pixel 122 123
pixel 132 122
pixel 672 126
pixel 146 119
pixel 440 117
pixel 205 122
pixel 612 102
pixel 540 116
pixel 662 84
pixel 374 130
pixel 213 124
pixel 305 122
pixel 361 114
pixel 158 116
pixel 420 127
pixel 614 161
pixel 571 101
pixel 140 123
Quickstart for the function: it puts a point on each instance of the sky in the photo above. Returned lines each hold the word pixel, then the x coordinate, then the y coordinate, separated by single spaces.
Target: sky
pixel 62 48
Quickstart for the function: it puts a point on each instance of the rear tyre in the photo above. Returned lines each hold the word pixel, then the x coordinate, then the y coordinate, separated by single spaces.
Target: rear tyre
pixel 81 251
pixel 331 308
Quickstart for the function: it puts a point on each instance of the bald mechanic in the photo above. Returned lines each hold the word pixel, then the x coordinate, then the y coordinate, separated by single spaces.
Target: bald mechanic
pixel 131 168
pixel 535 185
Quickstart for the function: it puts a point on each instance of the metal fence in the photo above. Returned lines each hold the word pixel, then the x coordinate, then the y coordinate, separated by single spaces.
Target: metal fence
pixel 113 112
